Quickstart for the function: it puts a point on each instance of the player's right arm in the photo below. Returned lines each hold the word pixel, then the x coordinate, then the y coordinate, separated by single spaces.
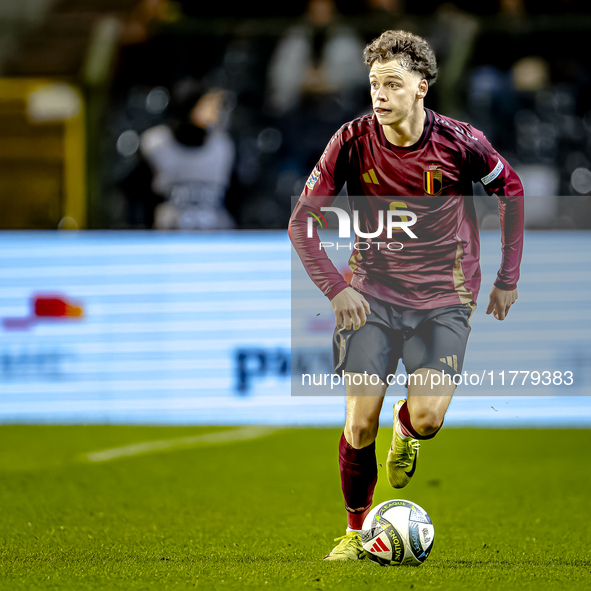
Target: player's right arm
pixel 350 308
pixel 323 185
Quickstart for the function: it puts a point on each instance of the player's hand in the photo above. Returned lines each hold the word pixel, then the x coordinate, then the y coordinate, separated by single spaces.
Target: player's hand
pixel 500 301
pixel 350 309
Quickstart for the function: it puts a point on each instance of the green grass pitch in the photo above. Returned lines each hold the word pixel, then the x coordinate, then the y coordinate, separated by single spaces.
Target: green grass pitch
pixel 511 510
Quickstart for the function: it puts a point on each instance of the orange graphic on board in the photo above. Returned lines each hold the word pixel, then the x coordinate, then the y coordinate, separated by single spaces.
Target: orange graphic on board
pixel 46 308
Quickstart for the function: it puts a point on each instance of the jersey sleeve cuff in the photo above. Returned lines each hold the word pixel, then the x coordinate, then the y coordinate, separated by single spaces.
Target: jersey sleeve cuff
pixel 505 286
pixel 336 290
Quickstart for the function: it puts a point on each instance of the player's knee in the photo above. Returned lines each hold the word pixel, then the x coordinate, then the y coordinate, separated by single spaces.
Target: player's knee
pixel 426 423
pixel 362 432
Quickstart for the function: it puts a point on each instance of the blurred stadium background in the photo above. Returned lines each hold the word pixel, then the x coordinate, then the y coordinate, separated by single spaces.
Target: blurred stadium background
pixel 103 102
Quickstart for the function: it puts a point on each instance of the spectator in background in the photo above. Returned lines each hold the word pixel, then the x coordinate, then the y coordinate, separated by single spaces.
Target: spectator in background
pixel 143 18
pixel 512 11
pixel 191 160
pixel 316 79
pixel 317 56
pixel 451 33
pixel 387 15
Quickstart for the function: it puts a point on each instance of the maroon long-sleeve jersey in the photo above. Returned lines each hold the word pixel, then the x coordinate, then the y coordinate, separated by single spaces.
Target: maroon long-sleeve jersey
pixel 432 179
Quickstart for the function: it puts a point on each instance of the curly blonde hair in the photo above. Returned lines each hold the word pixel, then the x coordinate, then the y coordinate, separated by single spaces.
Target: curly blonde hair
pixel 413 52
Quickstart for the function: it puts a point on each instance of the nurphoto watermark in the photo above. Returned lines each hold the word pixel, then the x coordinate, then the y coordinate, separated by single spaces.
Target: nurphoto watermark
pixel 435 378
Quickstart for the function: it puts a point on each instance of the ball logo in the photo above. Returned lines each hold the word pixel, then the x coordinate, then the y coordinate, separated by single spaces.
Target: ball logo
pixel 416 515
pixel 396 547
pixel 415 543
pixel 379 546
pixel 391 504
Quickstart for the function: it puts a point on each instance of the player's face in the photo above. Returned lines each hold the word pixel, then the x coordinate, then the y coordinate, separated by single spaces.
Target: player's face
pixel 395 91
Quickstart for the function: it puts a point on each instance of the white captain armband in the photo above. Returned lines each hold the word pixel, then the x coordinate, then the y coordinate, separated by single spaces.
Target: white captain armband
pixel 494 173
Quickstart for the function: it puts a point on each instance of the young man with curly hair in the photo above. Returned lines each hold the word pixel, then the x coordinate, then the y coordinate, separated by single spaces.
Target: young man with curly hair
pixel 412 303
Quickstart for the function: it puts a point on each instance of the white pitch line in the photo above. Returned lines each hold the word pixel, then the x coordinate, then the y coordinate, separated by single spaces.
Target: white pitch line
pixel 241 434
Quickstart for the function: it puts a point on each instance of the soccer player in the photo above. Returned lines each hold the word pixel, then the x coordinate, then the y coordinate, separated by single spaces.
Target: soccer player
pixel 411 303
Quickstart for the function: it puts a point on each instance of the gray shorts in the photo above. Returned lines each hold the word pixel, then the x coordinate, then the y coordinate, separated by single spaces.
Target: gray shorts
pixel 434 338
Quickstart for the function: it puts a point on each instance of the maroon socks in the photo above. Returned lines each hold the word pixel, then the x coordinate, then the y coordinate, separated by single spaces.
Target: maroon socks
pixel 359 474
pixel 404 417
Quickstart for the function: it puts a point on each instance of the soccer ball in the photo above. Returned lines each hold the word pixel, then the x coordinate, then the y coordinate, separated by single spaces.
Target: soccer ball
pixel 397 532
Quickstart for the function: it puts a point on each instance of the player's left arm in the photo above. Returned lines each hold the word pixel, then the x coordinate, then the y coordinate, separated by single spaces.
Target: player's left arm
pixel 498 178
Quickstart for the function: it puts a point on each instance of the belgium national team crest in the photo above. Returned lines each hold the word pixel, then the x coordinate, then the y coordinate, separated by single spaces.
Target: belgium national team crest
pixel 432 181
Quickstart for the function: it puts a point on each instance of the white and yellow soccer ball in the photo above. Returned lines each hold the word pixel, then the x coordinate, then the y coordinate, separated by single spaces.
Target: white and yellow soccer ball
pixel 398 532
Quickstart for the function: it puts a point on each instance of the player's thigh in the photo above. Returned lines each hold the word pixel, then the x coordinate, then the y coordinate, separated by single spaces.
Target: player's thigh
pixel 439 340
pixel 365 358
pixel 429 397
pixel 434 356
pixel 372 350
pixel 364 402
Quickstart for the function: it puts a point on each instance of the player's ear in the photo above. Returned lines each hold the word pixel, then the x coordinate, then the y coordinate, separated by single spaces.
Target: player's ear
pixel 422 89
